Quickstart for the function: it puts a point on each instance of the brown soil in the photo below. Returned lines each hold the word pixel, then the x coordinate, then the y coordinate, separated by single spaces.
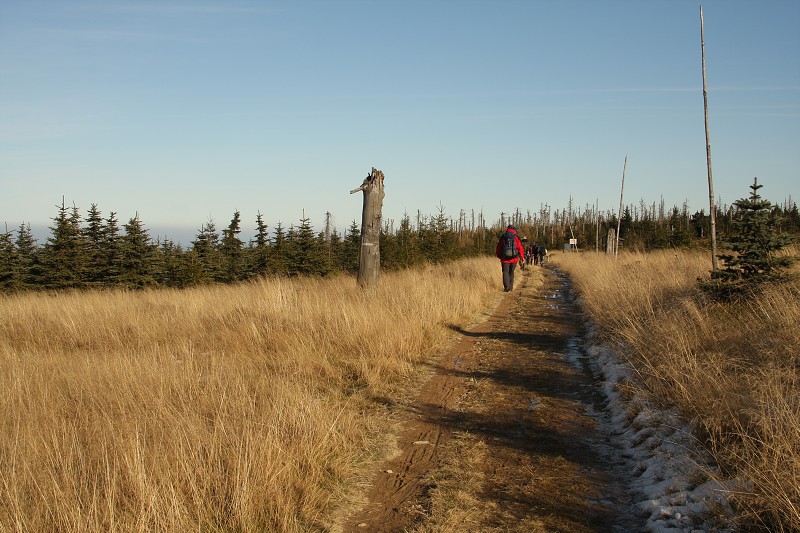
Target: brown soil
pixel 508 434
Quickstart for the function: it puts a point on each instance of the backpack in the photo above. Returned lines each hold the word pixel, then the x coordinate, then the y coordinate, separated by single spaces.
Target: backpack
pixel 509 241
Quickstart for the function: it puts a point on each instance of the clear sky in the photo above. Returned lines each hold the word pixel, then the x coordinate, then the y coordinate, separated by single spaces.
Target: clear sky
pixel 185 111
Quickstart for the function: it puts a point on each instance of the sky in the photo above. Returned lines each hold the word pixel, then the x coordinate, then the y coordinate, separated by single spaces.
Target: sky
pixel 184 112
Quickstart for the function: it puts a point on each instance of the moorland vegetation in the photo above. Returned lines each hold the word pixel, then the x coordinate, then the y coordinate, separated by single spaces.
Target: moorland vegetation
pixel 238 391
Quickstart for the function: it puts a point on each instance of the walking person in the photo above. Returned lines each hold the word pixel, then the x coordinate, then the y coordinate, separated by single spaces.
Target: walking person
pixel 528 255
pixel 510 250
pixel 536 250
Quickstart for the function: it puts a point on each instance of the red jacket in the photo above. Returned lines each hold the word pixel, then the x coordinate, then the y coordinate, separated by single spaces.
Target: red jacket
pixel 499 250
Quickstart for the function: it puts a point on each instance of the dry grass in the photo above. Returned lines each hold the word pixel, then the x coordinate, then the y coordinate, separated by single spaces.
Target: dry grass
pixel 734 370
pixel 244 408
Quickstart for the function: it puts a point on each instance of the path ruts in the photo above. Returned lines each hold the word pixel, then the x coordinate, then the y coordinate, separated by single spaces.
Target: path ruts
pixel 515 388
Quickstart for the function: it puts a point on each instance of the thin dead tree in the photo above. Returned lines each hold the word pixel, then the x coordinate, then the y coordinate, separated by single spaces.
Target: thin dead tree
pixel 619 216
pixel 369 264
pixel 596 225
pixel 712 207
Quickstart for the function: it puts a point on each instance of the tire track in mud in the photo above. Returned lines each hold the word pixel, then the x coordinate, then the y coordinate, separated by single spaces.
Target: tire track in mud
pixel 515 386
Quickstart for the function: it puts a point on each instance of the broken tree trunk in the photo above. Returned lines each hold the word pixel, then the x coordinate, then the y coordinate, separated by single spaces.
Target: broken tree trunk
pixel 369 264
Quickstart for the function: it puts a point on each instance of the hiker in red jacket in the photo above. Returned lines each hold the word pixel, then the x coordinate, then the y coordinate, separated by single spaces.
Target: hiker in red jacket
pixel 509 250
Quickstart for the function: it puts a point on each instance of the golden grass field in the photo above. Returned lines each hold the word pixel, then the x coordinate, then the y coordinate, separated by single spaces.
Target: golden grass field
pixel 258 406
pixel 732 370
pixel 248 408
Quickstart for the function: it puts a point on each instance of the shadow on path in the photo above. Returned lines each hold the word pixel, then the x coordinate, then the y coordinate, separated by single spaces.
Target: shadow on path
pixel 513 386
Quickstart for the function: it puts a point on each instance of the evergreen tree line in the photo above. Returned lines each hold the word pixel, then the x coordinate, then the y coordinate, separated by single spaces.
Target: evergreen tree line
pixel 96 251
pixel 644 227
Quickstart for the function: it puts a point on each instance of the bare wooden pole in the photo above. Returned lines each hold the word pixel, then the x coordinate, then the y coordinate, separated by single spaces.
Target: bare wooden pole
pixel 369 264
pixel 596 225
pixel 619 215
pixel 712 207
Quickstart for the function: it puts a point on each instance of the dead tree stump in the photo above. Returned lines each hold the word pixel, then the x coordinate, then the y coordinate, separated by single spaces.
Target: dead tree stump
pixel 369 264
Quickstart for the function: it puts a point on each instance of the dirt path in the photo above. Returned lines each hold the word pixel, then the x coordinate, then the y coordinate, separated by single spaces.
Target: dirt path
pixel 509 433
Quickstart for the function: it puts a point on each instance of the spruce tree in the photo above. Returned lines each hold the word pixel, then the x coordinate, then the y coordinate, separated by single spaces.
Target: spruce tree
pixel 93 236
pixel 111 250
pixel 30 270
pixel 679 230
pixel 335 249
pixel 231 250
pixel 9 263
pixel 351 248
pixel 390 250
pixel 194 271
pixel 260 249
pixel 206 266
pixel 64 253
pixel 754 242
pixel 323 261
pixel 302 253
pixel 793 218
pixel 137 255
pixel 407 242
pixel 427 239
pixel 446 241
pixel 279 260
pixel 170 269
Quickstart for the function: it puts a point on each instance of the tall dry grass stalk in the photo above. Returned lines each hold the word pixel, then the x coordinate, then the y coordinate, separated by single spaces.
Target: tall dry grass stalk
pixel 734 370
pixel 245 408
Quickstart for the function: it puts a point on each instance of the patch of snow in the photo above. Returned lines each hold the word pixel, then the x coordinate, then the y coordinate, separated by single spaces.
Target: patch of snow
pixel 668 470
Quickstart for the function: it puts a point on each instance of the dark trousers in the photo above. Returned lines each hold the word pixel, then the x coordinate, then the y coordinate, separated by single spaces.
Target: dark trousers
pixel 508 276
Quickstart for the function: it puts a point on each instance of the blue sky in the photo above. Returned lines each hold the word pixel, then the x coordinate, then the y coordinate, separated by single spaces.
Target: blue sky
pixel 185 111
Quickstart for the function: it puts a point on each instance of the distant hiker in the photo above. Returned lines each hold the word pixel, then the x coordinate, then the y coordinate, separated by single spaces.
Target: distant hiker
pixel 509 250
pixel 542 254
pixel 537 248
pixel 526 256
pixel 528 252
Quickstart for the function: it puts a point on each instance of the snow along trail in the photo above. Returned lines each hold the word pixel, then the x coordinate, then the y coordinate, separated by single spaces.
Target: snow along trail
pixel 668 470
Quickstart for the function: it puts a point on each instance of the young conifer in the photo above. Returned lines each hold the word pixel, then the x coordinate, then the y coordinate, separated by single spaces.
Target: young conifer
pixel 93 236
pixel 278 261
pixel 64 253
pixel 754 244
pixel 302 253
pixel 170 270
pixel 112 250
pixel 231 250
pixel 137 255
pixel 260 249
pixel 205 263
pixel 351 248
pixel 28 257
pixel 9 263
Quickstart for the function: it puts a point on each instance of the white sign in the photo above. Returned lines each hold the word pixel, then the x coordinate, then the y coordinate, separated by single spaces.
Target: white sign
pixel 574 241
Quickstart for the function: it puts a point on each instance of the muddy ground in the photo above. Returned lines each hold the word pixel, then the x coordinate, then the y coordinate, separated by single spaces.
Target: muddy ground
pixel 509 432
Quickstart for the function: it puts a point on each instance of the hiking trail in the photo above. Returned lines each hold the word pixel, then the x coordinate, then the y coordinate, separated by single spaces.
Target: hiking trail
pixel 510 433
